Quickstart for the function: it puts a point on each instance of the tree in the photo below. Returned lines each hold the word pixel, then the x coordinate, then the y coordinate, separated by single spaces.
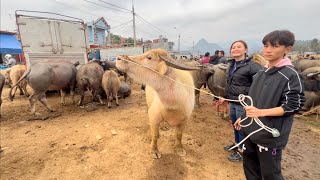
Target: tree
pixel 115 39
pixel 129 41
pixel 314 45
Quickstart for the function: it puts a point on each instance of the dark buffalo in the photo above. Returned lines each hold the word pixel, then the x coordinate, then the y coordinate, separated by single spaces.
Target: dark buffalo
pixel 2 82
pixel 48 76
pixel 199 76
pixel 108 65
pixel 301 65
pixel 218 81
pixel 125 90
pixel 311 78
pixel 89 77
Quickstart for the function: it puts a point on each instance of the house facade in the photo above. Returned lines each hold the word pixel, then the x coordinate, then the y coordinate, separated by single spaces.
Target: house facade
pixel 98 31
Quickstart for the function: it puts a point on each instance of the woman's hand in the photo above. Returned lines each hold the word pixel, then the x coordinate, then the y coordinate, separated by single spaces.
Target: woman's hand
pixel 237 124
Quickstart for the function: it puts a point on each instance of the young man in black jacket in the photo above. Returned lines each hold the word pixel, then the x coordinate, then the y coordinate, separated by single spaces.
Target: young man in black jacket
pixel 214 58
pixel 277 93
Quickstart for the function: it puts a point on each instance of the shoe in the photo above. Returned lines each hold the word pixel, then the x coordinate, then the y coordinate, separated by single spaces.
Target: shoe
pixel 240 150
pixel 235 156
pixel 228 147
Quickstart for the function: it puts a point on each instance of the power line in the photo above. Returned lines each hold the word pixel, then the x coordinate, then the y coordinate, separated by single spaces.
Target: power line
pixel 115 5
pixel 121 24
pixel 151 25
pixel 106 6
pixel 88 12
pixel 153 35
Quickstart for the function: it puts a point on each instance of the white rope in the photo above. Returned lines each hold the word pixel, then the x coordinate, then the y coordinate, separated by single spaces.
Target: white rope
pixel 208 93
pixel 273 131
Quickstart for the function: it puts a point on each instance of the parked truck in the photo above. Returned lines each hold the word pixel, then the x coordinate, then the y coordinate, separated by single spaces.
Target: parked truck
pixel 51 37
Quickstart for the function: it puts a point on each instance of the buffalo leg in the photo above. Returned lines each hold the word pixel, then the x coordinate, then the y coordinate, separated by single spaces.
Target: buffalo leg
pixel 32 100
pixel 0 105
pixel 117 100
pixel 197 96
pixel 81 91
pixel 125 75
pixel 14 90
pixel 155 154
pixel 109 98
pixel 154 121
pixel 98 96
pixel 178 145
pixel 20 89
pixel 72 95
pixel 63 97
pixel 43 100
pixel 24 88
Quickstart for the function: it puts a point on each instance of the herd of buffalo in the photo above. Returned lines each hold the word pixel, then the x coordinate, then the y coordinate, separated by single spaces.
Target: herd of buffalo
pixel 99 76
pixel 62 76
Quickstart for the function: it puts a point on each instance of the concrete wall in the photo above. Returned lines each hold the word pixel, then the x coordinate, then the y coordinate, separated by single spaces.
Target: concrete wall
pixel 112 53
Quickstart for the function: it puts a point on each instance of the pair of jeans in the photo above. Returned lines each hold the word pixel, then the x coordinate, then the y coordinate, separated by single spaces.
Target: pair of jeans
pixel 236 111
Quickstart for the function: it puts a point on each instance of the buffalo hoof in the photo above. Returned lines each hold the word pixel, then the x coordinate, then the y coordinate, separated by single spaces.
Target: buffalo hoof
pixel 63 104
pixel 181 152
pixel 155 155
pixel 164 126
pixel 36 114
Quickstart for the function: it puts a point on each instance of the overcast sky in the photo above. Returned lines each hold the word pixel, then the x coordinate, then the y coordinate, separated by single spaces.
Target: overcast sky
pixel 214 20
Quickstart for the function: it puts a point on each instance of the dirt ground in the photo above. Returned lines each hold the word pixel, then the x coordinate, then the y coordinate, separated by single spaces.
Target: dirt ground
pixel 94 142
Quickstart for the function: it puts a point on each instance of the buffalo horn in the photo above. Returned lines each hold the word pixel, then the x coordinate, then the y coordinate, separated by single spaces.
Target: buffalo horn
pixel 172 63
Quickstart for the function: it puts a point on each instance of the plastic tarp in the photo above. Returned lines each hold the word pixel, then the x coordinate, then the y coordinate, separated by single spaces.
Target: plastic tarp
pixel 9 44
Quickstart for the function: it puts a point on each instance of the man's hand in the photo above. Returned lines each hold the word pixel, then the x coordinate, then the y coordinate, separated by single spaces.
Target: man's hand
pixel 253 112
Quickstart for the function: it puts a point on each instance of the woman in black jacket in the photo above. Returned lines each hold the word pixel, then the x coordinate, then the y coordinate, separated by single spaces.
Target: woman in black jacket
pixel 239 78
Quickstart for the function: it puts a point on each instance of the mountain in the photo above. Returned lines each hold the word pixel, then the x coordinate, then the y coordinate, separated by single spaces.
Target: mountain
pixel 204 46
pixel 253 46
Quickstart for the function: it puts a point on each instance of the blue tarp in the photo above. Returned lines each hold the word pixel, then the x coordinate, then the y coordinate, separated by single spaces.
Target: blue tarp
pixel 9 44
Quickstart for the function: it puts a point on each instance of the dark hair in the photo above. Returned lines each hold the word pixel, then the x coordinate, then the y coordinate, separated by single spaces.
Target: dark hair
pixel 216 52
pixel 281 37
pixel 222 51
pixel 207 54
pixel 244 44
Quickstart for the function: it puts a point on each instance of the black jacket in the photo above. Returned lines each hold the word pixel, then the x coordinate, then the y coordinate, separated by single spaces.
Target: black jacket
pixel 275 87
pixel 214 59
pixel 240 81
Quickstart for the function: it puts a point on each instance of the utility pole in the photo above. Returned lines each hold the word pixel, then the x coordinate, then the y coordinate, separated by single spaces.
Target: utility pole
pixel 192 47
pixel 134 26
pixel 179 43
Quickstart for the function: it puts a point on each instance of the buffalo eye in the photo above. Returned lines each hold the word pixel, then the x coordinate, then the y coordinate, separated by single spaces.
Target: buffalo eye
pixel 149 57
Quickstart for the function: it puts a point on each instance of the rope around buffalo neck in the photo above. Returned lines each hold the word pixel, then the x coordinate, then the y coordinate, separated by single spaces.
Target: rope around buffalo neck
pixel 208 93
pixel 241 100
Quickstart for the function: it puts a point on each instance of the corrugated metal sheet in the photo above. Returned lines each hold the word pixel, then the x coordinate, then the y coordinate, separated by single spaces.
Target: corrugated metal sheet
pixel 49 57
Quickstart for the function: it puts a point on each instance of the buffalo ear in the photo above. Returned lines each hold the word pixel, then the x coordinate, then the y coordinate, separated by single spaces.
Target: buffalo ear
pixel 162 67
